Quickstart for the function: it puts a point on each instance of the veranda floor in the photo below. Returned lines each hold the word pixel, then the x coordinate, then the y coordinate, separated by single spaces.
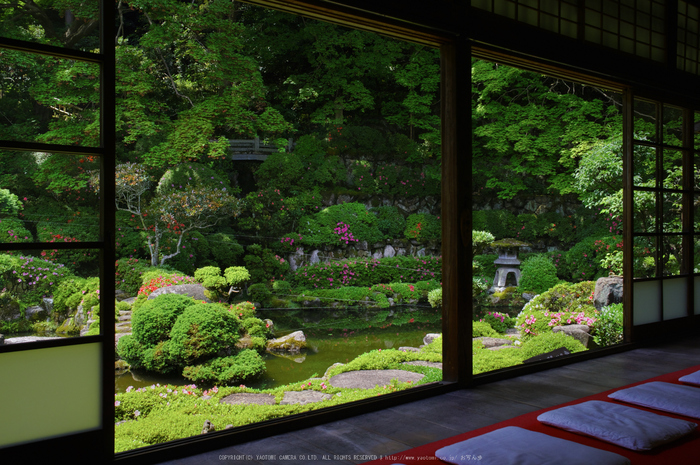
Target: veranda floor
pixel 409 425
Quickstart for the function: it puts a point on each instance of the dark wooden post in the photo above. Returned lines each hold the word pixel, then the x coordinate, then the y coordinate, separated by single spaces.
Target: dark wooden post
pixel 456 212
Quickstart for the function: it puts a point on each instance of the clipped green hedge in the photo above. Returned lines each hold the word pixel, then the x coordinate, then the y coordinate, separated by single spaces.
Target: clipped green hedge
pixel 368 272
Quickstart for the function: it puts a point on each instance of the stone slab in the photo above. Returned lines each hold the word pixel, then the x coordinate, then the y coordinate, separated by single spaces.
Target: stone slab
pixel 303 397
pixel 368 379
pixel 245 398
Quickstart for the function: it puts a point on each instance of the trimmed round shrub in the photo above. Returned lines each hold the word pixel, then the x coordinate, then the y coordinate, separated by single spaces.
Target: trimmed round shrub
pixel 548 342
pixel 152 322
pixel 129 349
pixel 245 365
pixel 244 310
pixel 255 327
pixel 236 275
pixel 202 331
pixel 210 277
pixel 259 293
pixel 538 274
pixel 282 288
pixel 390 221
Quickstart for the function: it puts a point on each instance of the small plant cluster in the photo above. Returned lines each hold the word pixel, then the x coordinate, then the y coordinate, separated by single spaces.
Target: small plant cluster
pixel 368 272
pixel 564 304
pixel 608 328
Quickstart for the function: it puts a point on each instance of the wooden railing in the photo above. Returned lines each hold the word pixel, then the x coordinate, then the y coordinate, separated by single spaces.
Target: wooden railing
pixel 253 149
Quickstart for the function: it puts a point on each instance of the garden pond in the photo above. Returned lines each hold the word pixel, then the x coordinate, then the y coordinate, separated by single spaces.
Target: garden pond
pixel 333 335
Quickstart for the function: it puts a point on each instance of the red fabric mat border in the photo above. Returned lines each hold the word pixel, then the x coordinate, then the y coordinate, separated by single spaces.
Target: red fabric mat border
pixel 681 452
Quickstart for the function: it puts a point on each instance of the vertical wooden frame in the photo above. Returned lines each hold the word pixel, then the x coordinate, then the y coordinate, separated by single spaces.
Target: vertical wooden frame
pixel 456 212
pixel 108 216
pixel 628 213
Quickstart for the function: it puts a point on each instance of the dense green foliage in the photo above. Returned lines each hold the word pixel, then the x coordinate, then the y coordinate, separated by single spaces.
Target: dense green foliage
pixel 538 274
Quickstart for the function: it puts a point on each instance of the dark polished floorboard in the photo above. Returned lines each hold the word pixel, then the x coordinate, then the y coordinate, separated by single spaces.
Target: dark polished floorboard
pixel 399 428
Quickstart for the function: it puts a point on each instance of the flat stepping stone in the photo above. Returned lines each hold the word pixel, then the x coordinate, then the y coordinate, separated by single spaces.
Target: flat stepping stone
pixel 368 379
pixel 424 363
pixel 494 342
pixel 247 398
pixel 303 397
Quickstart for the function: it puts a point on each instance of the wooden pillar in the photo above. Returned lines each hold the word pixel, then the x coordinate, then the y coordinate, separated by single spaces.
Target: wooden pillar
pixel 456 212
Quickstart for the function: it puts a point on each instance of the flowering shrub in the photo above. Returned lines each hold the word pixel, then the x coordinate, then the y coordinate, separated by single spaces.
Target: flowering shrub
pixel 564 304
pixel 30 278
pixel 288 243
pixel 500 322
pixel 423 227
pixel 368 271
pixel 343 231
pixel 128 275
pixel 164 281
pixel 13 230
pixel 347 222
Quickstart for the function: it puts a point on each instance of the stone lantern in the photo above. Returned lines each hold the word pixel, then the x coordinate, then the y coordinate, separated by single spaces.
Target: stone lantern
pixel 507 261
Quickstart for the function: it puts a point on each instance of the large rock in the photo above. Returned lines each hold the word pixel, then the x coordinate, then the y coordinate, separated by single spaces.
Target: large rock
pixel 293 343
pixel 314 258
pixel 196 291
pixel 35 313
pixel 389 251
pixel 430 337
pixel 47 303
pixel 607 291
pixel 578 332
pixel 296 259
